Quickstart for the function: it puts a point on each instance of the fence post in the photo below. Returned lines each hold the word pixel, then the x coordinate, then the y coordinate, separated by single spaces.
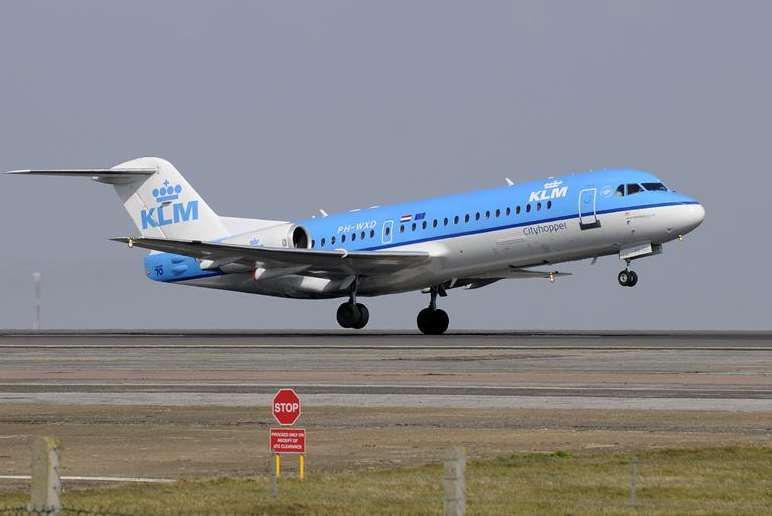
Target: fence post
pixel 453 483
pixel 275 472
pixel 633 481
pixel 46 485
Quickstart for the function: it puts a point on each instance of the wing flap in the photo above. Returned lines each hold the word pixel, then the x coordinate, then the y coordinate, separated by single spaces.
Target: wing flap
pixel 512 273
pixel 333 262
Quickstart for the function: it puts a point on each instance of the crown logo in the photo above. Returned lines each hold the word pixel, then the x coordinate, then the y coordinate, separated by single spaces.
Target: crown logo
pixel 167 192
pixel 553 184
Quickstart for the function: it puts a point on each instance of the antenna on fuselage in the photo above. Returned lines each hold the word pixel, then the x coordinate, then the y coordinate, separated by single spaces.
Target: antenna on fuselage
pixel 324 213
pixel 509 181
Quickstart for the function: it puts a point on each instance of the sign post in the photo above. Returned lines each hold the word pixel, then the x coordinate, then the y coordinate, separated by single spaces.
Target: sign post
pixel 286 411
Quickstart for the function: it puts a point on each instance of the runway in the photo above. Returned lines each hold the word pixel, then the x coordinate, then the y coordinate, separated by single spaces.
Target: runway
pixel 643 370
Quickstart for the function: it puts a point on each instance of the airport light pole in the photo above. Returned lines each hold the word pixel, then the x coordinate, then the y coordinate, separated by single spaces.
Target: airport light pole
pixel 36 279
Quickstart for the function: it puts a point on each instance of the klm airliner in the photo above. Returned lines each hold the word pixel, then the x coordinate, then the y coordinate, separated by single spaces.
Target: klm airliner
pixel 434 245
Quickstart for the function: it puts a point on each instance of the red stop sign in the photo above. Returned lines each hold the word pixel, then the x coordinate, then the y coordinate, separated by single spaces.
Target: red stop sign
pixel 286 407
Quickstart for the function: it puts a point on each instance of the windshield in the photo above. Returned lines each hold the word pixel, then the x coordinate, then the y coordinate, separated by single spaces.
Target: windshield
pixel 655 187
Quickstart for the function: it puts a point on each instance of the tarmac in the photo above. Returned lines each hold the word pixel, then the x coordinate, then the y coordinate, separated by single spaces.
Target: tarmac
pixel 728 371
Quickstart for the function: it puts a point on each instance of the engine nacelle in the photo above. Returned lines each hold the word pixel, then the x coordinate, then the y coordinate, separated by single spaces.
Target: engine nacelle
pixel 284 235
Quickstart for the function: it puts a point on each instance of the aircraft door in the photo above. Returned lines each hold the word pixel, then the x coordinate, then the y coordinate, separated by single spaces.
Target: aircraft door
pixel 388 229
pixel 588 216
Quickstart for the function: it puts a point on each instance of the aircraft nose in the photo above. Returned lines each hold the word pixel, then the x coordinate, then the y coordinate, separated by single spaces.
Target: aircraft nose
pixel 691 217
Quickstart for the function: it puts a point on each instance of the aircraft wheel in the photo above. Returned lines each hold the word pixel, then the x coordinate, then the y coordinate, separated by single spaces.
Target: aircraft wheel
pixel 633 279
pixel 364 317
pixel 624 278
pixel 432 322
pixel 441 322
pixel 424 321
pixel 348 315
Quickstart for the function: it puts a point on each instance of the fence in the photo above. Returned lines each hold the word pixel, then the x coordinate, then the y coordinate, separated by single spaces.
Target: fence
pixel 733 480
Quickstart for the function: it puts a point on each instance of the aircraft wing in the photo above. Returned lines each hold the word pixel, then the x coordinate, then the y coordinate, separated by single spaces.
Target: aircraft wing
pixel 328 263
pixel 511 273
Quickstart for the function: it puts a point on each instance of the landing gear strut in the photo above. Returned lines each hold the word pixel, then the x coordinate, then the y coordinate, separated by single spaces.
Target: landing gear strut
pixel 352 314
pixel 432 320
pixel 628 278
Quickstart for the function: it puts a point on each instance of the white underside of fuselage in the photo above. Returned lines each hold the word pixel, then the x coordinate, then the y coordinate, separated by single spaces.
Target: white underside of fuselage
pixel 483 255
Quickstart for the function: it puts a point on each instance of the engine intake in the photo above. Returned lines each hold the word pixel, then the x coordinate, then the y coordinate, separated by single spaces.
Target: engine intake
pixel 299 238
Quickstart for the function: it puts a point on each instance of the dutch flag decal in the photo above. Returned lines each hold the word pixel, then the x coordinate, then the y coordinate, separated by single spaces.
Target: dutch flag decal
pixel 406 218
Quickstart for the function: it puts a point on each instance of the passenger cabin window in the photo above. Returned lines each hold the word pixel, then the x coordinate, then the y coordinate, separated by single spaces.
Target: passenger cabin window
pixel 528 208
pixel 388 230
pixel 655 187
pixel 324 241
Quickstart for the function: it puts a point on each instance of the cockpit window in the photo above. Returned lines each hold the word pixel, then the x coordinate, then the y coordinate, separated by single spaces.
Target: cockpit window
pixel 633 188
pixel 655 187
pixel 620 191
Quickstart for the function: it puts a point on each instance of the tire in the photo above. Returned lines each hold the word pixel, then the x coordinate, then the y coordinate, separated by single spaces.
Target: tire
pixel 440 322
pixel 424 321
pixel 624 278
pixel 364 317
pixel 633 279
pixel 348 315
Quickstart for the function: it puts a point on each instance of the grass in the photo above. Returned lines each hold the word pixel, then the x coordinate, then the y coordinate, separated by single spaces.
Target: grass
pixel 710 481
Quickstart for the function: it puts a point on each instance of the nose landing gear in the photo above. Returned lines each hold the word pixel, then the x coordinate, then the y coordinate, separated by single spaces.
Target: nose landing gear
pixel 432 320
pixel 628 278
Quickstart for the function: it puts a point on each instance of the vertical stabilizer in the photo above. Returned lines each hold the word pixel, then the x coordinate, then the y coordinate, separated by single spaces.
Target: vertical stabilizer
pixel 164 205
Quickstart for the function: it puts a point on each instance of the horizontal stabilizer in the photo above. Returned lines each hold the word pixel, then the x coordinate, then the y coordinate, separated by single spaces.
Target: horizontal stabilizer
pixel 103 175
pixel 334 262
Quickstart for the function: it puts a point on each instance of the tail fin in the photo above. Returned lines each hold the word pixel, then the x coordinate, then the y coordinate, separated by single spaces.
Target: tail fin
pixel 160 202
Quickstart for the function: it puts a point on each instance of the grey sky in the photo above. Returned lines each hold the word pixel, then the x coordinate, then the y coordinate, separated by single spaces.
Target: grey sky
pixel 275 109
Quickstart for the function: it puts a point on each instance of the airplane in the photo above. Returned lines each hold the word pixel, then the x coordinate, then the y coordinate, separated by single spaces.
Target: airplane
pixel 469 240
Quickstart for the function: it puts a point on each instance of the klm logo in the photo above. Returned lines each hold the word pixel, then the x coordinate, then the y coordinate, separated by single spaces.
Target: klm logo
pixel 168 212
pixel 552 190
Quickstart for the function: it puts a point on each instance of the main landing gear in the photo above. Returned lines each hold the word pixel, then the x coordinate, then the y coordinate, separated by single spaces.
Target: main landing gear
pixel 432 320
pixel 352 314
pixel 628 278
